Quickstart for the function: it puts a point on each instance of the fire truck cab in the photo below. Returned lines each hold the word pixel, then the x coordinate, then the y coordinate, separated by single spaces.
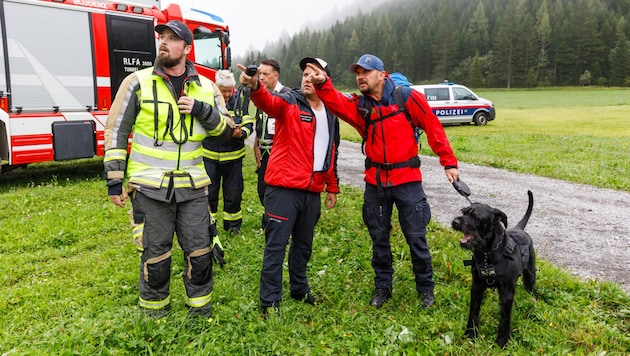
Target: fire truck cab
pixel 61 62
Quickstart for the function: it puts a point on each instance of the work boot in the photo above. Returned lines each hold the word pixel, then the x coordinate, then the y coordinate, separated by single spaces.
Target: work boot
pixel 427 299
pixel 267 310
pixel 380 297
pixel 204 312
pixel 308 298
pixel 157 313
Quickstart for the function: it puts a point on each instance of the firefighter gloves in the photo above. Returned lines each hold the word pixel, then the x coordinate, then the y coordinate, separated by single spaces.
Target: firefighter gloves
pixel 217 251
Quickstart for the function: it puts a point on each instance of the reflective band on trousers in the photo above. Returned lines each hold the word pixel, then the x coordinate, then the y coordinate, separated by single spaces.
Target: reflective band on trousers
pixel 198 302
pixel 155 305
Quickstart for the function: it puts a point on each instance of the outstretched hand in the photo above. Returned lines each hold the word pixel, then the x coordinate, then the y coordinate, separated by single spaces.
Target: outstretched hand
pixel 319 75
pixel 245 79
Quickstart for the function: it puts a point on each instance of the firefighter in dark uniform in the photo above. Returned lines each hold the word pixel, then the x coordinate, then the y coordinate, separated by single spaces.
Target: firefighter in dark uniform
pixel 224 160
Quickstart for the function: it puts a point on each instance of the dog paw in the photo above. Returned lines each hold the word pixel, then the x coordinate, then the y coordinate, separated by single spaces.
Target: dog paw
pixel 471 334
pixel 502 342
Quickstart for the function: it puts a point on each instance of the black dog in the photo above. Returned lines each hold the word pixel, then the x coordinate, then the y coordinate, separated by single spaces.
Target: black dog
pixel 500 255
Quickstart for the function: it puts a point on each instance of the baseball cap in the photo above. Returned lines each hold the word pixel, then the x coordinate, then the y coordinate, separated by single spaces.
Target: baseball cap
pixel 320 62
pixel 368 62
pixel 179 28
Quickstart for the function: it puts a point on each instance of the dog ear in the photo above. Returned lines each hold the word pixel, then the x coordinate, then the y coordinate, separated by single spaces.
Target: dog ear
pixel 501 217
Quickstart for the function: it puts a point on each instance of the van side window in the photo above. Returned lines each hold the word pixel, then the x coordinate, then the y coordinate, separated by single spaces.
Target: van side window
pixel 435 94
pixel 462 94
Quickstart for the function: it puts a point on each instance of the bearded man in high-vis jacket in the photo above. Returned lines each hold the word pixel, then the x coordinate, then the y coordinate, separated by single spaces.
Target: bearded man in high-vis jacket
pixel 168 109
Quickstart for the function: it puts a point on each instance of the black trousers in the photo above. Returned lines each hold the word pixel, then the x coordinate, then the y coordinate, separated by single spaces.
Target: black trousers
pixel 414 214
pixel 229 177
pixel 292 213
pixel 261 183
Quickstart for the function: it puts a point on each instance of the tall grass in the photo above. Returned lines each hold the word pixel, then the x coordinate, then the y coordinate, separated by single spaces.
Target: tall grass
pixel 69 271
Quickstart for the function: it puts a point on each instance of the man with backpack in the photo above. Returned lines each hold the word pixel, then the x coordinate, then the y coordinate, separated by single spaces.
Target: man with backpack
pixel 388 117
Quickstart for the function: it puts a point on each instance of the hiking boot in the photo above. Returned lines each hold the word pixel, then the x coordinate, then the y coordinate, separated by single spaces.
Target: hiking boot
pixel 380 297
pixel 308 298
pixel 427 299
pixel 268 310
pixel 157 313
pixel 204 312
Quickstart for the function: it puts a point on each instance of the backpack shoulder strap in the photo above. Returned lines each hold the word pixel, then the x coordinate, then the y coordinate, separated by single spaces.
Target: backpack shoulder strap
pixel 398 98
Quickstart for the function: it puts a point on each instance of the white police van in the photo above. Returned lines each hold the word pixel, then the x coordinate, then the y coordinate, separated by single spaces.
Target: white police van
pixel 455 104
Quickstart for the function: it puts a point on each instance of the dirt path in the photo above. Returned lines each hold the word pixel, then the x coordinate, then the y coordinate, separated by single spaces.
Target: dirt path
pixel 578 227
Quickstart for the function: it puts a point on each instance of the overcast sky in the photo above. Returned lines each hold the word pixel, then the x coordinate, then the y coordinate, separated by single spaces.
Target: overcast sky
pixel 254 23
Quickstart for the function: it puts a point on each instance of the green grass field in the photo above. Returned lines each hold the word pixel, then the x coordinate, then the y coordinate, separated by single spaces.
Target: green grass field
pixel 580 135
pixel 69 269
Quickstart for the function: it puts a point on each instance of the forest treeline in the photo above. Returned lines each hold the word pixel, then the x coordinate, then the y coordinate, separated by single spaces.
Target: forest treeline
pixel 482 43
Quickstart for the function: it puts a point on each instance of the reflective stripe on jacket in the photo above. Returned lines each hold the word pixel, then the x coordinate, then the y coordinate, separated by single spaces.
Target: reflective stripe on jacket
pixel 166 148
pixel 234 148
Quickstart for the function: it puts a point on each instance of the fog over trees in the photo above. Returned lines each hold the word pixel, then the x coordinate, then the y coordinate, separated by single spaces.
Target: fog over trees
pixel 482 43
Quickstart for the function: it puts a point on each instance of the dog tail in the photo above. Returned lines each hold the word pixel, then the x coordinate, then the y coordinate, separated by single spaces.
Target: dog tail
pixel 521 224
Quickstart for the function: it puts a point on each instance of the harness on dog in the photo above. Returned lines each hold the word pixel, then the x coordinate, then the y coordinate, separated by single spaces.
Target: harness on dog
pixel 486 269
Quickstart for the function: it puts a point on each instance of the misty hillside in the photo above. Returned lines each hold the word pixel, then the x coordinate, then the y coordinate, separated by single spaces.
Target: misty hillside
pixel 483 43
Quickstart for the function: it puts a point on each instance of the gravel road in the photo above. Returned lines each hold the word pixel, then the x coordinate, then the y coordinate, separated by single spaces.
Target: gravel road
pixel 578 227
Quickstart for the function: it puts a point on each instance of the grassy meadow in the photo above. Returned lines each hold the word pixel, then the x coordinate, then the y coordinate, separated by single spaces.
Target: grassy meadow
pixel 69 270
pixel 578 134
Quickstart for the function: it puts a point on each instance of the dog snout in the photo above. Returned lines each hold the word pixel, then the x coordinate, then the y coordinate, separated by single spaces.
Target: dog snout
pixel 457 224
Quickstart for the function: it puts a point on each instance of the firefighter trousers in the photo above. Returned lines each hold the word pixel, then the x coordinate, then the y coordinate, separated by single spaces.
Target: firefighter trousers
pixel 229 177
pixel 155 222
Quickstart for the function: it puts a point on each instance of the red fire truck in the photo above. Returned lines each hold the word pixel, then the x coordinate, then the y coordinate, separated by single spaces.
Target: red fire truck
pixel 61 62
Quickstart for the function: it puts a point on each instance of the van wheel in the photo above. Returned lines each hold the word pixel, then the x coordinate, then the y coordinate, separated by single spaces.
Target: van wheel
pixel 481 119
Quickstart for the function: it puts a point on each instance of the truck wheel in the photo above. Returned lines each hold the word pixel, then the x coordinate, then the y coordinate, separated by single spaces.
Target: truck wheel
pixel 481 119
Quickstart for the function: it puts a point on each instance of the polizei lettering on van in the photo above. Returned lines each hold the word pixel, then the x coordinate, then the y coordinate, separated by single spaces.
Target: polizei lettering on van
pixel 453 112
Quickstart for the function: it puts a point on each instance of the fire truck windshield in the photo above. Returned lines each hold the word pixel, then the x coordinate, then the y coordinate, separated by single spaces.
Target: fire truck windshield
pixel 208 51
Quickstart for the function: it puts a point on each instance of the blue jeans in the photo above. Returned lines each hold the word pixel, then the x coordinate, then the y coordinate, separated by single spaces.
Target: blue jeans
pixel 414 214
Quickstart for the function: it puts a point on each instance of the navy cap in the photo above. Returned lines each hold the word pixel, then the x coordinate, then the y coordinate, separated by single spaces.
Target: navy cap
pixel 368 62
pixel 320 62
pixel 182 31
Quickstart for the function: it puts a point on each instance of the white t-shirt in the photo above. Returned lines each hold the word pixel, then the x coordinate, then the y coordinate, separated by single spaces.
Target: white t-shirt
pixel 321 138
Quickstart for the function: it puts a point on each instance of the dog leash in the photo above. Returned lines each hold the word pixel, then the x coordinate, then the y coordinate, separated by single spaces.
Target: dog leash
pixel 462 189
